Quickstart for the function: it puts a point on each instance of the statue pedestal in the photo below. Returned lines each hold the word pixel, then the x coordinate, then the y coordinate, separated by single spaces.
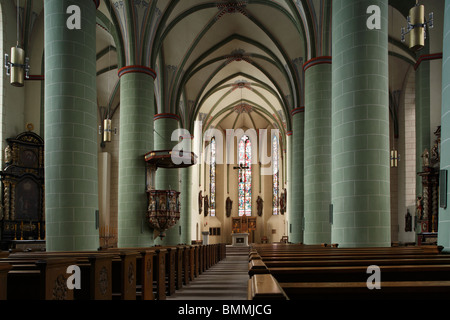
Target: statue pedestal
pixel 239 239
pixel 205 236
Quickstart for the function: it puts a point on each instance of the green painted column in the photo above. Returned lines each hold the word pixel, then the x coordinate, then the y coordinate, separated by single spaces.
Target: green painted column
pixel 289 178
pixel 296 214
pixel 71 181
pixel 136 139
pixel 186 203
pixel 360 126
pixel 444 213
pixel 167 179
pixel 423 116
pixel 317 150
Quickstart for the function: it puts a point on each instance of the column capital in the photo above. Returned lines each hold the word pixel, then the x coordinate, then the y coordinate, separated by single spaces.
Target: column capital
pixel 298 110
pixel 318 60
pixel 166 116
pixel 137 69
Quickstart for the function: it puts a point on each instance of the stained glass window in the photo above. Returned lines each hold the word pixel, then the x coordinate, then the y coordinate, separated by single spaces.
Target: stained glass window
pixel 212 176
pixel 245 177
pixel 276 177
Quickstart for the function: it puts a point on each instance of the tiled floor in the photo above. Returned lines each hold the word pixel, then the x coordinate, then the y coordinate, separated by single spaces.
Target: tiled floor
pixel 226 280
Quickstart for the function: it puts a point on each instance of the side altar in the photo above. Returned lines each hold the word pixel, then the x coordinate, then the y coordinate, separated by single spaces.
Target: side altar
pixel 22 215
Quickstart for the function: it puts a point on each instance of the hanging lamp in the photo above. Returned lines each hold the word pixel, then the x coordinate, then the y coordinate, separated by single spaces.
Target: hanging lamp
pixel 417 27
pixel 18 67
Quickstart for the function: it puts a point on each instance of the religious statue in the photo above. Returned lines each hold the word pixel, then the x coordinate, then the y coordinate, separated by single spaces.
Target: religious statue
pixel 152 206
pixel 408 222
pixel 8 155
pixel 162 204
pixel 259 205
pixel 283 202
pixel 228 206
pixel 425 158
pixel 173 204
pixel 419 208
pixel 206 204
pixel 200 202
pixel 435 153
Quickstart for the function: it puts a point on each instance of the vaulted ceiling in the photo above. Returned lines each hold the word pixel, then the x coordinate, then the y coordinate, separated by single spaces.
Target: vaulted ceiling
pixel 233 63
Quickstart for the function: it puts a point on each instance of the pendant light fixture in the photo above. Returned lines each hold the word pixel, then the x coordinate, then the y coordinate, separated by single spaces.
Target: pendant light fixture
pixel 417 27
pixel 18 67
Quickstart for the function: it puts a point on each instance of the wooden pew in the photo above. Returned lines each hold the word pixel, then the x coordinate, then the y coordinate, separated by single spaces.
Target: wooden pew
pixel 257 266
pixel 170 270
pixel 318 272
pixel 36 279
pixel 4 269
pixel 135 272
pixel 96 270
pixel 265 287
pixel 359 273
pixel 150 272
pixel 127 271
pixel 390 290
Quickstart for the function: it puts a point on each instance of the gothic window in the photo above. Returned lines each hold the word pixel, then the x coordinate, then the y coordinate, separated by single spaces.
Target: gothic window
pixel 276 177
pixel 245 177
pixel 212 176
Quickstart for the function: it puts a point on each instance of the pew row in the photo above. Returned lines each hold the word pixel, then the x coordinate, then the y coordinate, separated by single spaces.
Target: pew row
pixel 127 273
pixel 318 272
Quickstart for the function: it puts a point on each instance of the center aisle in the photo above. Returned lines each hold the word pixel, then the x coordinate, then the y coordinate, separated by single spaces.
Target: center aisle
pixel 226 280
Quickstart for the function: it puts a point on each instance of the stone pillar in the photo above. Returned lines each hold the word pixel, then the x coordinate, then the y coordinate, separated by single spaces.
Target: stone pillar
pixel 423 126
pixel 444 213
pixel 360 126
pixel 296 214
pixel 165 179
pixel 136 139
pixel 186 205
pixel 289 179
pixel 71 168
pixel 317 150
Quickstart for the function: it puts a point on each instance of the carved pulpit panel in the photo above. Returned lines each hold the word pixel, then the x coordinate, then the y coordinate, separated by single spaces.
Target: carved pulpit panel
pixel 22 182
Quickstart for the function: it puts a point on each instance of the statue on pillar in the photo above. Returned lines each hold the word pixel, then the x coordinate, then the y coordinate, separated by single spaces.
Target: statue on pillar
pixel 426 158
pixel 228 207
pixel 206 204
pixel 200 202
pixel 259 205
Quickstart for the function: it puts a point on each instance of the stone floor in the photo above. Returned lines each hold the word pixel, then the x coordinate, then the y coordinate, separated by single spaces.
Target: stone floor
pixel 227 280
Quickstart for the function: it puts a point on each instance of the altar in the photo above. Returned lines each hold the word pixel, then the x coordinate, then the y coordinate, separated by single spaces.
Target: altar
pixel 242 228
pixel 239 239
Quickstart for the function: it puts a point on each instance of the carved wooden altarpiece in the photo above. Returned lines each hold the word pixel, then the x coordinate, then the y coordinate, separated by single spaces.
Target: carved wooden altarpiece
pixel 22 190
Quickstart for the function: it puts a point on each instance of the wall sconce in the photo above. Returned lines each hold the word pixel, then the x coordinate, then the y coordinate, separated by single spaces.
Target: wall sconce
pixel 18 68
pixel 417 27
pixel 394 158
